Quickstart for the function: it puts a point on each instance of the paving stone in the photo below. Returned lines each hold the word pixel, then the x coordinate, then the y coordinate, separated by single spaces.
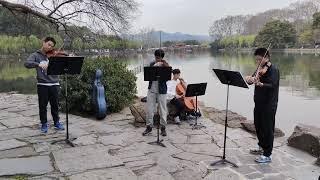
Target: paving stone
pixel 86 140
pixel 303 172
pixel 247 159
pixel 156 173
pixel 51 136
pixel 192 157
pixel 177 138
pixel 46 147
pixel 11 144
pixel 225 174
pixel 2 127
pixel 275 177
pixel 187 173
pixel 254 175
pixel 139 165
pixel 125 154
pixel 21 121
pixel 166 162
pixel 117 173
pixel 17 152
pixel 84 158
pixel 33 166
pixel 18 133
pixel 206 149
pixel 116 140
pixel 244 169
pixel 199 139
pixel 30 112
pixel 265 168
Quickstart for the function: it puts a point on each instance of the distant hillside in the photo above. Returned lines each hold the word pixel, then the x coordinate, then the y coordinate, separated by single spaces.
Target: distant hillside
pixel 165 36
pixel 178 36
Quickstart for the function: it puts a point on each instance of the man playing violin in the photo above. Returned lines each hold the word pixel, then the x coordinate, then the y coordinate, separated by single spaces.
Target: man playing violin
pixel 47 85
pixel 172 95
pixel 157 92
pixel 266 81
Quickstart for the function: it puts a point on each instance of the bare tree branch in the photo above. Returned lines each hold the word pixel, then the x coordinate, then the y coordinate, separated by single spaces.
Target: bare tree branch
pixel 111 15
pixel 24 9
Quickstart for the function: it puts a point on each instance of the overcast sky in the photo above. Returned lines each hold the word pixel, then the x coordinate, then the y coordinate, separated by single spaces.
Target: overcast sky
pixel 196 16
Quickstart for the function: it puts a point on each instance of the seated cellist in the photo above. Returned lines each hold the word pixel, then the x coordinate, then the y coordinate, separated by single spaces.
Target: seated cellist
pixel 172 95
pixel 185 106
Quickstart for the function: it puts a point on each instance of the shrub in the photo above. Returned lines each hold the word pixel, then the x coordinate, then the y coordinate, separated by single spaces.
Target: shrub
pixel 118 81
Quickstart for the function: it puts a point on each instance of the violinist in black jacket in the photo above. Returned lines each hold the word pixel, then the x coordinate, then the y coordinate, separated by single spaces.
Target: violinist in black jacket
pixel 266 101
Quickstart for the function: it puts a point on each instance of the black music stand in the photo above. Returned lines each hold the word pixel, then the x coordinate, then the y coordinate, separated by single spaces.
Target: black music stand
pixel 196 90
pixel 235 79
pixel 63 66
pixel 156 73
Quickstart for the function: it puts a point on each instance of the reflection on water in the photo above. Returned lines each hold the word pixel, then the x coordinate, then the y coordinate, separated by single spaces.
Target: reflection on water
pixel 299 98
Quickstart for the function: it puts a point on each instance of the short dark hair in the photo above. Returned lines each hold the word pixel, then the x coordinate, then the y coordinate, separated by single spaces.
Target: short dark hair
pixel 261 52
pixel 176 71
pixel 46 39
pixel 159 53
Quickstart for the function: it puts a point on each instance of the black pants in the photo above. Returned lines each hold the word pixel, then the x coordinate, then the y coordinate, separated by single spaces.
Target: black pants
pixel 264 120
pixel 48 94
pixel 179 106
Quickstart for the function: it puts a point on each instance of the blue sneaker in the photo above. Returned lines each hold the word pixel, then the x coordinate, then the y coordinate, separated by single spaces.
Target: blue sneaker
pixel 59 126
pixel 263 159
pixel 44 128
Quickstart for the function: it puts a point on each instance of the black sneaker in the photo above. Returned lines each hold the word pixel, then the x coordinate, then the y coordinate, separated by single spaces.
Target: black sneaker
pixel 163 131
pixel 147 131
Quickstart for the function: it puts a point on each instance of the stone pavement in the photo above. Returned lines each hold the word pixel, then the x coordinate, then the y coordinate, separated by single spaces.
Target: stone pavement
pixel 115 149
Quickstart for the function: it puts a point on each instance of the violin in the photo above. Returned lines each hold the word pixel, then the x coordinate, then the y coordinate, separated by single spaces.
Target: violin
pixel 261 70
pixel 189 102
pixel 56 53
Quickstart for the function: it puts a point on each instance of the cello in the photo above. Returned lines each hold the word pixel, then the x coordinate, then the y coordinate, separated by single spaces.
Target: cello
pixel 98 96
pixel 189 102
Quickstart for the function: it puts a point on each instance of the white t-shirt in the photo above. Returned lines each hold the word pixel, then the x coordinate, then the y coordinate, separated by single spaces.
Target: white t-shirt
pixel 171 91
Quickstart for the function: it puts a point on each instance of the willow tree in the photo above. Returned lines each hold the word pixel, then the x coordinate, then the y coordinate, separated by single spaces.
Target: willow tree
pixel 100 15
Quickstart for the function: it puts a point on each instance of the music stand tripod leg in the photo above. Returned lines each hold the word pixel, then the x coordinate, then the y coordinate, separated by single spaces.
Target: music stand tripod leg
pixel 224 160
pixel 67 140
pixel 158 142
pixel 196 125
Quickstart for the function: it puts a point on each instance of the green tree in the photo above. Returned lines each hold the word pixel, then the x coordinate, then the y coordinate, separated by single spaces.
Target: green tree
pixel 77 44
pixel 191 42
pixel 316 21
pixel 281 34
pixel 306 37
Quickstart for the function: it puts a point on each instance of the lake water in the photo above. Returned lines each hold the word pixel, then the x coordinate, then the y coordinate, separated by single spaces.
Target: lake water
pixel 299 96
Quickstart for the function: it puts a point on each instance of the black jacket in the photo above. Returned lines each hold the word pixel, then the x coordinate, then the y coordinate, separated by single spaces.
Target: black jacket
pixel 267 95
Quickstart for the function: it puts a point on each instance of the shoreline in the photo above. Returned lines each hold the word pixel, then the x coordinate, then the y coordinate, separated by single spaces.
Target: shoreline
pixel 285 51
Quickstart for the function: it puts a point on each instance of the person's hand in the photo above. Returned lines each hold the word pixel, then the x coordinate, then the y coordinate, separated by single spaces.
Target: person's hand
pixel 260 84
pixel 158 64
pixel 249 79
pixel 43 65
pixel 264 61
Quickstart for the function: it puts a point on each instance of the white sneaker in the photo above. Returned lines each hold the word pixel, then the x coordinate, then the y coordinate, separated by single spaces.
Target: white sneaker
pixel 177 120
pixel 263 159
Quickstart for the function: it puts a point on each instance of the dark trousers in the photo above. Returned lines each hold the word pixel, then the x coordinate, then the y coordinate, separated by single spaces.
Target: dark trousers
pixel 48 94
pixel 179 106
pixel 264 120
